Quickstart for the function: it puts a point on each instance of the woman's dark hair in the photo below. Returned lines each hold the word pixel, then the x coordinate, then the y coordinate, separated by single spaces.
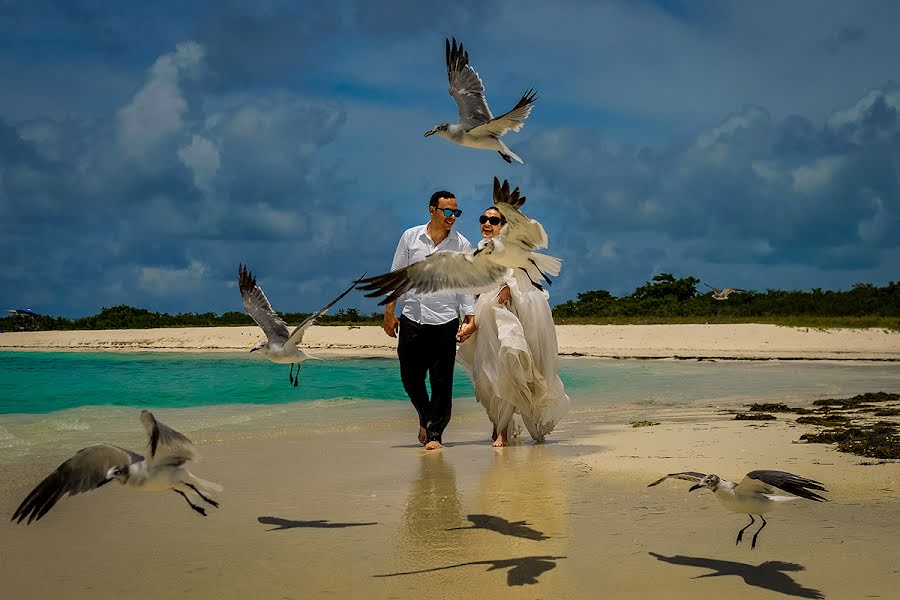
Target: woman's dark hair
pixel 435 197
pixel 495 209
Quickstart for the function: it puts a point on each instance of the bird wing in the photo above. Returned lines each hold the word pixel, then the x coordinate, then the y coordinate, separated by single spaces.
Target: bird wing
pixel 166 446
pixel 84 472
pixel 442 271
pixel 729 290
pixel 297 334
pixel 513 120
pixel 519 229
pixel 257 306
pixel 686 475
pixel 762 482
pixel 466 87
pixel 714 289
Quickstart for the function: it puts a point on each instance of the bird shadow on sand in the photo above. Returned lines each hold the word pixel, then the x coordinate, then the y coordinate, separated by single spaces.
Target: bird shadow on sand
pixel 522 571
pixel 281 524
pixel 769 575
pixel 517 529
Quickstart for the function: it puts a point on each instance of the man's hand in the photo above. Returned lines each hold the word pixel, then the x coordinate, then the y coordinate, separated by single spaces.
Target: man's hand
pixel 466 329
pixel 391 324
pixel 504 296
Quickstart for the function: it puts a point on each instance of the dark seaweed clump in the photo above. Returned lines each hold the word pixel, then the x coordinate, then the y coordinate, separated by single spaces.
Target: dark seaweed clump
pixel 828 420
pixel 754 417
pixel 878 440
pixel 859 401
pixel 778 407
pixel 643 423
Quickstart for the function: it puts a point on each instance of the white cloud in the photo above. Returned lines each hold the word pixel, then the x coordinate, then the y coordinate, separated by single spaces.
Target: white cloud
pixel 202 157
pixel 816 177
pixel 164 281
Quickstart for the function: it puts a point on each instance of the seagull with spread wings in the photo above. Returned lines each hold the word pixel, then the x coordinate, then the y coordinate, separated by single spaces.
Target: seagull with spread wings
pixel 722 294
pixel 477 127
pixel 95 466
pixel 755 494
pixel 481 269
pixel 280 345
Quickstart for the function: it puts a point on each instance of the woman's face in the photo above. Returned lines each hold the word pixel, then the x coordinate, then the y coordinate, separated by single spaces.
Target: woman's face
pixel 489 229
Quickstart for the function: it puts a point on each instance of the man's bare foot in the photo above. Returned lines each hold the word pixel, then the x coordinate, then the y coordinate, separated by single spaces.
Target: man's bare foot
pixel 502 439
pixel 434 445
pixel 422 435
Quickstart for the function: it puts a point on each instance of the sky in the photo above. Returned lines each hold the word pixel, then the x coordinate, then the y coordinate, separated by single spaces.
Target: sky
pixel 146 149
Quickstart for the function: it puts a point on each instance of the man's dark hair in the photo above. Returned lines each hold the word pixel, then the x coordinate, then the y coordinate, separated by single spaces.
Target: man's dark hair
pixel 435 197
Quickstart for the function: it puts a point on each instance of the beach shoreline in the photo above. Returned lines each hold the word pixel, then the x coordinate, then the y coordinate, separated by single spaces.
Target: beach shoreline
pixel 717 341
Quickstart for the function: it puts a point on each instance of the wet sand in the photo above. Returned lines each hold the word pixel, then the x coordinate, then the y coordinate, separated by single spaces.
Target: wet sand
pixel 340 505
pixel 741 341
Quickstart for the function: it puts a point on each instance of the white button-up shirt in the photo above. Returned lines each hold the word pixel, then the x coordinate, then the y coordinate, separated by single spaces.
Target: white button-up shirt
pixel 439 307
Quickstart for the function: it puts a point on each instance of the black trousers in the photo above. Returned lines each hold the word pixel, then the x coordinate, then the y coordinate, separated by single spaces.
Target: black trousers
pixel 431 350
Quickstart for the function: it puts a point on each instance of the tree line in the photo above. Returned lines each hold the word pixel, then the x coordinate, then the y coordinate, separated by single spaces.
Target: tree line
pixel 663 299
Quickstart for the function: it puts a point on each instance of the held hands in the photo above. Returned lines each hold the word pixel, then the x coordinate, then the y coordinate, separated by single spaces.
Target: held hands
pixel 391 324
pixel 466 329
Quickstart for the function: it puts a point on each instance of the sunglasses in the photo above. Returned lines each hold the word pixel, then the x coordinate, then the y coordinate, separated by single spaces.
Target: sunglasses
pixel 450 212
pixel 493 220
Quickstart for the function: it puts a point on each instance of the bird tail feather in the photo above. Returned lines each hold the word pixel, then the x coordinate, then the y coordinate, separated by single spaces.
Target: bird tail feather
pixel 546 263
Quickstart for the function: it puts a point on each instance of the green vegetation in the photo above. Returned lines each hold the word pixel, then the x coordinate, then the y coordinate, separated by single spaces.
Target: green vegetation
pixel 664 300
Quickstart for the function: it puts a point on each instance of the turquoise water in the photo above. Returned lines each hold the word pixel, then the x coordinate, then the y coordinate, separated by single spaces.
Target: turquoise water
pixel 43 382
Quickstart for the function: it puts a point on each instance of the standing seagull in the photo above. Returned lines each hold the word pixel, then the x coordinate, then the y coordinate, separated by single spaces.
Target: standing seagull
pixel 279 345
pixel 481 269
pixel 477 127
pixel 722 294
pixel 755 494
pixel 97 465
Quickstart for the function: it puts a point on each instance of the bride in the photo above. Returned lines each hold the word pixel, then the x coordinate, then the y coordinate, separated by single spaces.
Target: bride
pixel 512 356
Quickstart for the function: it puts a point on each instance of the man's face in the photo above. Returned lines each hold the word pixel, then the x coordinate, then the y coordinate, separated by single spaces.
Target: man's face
pixel 438 216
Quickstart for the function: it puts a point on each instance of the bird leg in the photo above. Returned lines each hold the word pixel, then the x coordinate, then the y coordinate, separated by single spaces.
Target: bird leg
pixel 291 374
pixel 753 544
pixel 199 493
pixel 297 376
pixel 741 532
pixel 199 509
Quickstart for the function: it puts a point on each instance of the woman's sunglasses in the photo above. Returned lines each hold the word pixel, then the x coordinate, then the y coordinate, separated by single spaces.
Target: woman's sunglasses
pixel 493 220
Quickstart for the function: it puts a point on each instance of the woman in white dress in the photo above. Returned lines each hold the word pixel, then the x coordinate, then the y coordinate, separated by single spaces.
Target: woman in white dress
pixel 512 356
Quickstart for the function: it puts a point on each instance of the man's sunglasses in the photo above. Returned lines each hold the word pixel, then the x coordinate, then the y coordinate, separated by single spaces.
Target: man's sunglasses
pixel 493 220
pixel 450 212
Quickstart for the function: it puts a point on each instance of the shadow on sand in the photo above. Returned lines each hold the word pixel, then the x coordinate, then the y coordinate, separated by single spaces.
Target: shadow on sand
pixel 522 571
pixel 518 529
pixel 770 575
pixel 281 524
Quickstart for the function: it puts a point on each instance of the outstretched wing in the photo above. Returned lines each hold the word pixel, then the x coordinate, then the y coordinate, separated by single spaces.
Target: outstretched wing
pixel 513 120
pixel 257 306
pixel 441 271
pixel 466 87
pixel 297 334
pixel 686 475
pixel 165 444
pixel 84 472
pixel 729 290
pixel 519 229
pixel 714 289
pixel 763 481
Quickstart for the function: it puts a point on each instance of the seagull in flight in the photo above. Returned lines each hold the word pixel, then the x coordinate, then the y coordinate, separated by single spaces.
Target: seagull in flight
pixel 755 494
pixel 280 346
pixel 481 269
pixel 477 127
pixel 722 294
pixel 95 466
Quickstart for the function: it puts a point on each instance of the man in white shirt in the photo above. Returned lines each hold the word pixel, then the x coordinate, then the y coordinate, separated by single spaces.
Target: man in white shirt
pixel 429 323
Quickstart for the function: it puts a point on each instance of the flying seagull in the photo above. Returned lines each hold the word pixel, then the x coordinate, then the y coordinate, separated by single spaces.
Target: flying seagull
pixel 280 346
pixel 22 312
pixel 755 494
pixel 97 465
pixel 481 269
pixel 477 127
pixel 722 294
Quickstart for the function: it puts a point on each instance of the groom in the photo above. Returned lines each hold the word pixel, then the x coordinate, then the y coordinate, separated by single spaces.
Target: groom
pixel 429 323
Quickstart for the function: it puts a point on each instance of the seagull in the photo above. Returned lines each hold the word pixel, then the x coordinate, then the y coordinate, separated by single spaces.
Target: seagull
pixel 279 345
pixel 477 127
pixel 22 312
pixel 755 494
pixel 722 294
pixel 97 465
pixel 481 269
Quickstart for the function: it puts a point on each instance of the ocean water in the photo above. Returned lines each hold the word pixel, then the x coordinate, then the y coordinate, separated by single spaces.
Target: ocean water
pixel 46 382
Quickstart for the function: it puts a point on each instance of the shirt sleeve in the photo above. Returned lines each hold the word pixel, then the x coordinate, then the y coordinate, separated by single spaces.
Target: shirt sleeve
pixel 401 255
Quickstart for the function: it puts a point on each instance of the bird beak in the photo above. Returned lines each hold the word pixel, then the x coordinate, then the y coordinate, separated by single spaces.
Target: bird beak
pixel 253 349
pixel 430 132
pixel 477 251
pixel 695 487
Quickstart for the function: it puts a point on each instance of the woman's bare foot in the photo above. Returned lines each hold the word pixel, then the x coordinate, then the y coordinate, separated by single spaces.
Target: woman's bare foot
pixel 422 435
pixel 494 433
pixel 434 445
pixel 502 438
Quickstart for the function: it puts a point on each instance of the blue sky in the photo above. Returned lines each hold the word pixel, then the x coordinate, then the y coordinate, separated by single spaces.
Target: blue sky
pixel 148 148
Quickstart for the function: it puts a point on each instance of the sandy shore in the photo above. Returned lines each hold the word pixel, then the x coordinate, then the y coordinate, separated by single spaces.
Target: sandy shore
pixel 360 510
pixel 745 341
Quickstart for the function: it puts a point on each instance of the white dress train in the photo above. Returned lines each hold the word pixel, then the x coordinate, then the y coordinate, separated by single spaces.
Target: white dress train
pixel 512 359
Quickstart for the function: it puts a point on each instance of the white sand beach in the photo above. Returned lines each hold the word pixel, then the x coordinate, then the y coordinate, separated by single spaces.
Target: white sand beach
pixel 741 341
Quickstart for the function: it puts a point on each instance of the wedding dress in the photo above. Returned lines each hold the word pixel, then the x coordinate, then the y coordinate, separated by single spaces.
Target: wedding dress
pixel 512 359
